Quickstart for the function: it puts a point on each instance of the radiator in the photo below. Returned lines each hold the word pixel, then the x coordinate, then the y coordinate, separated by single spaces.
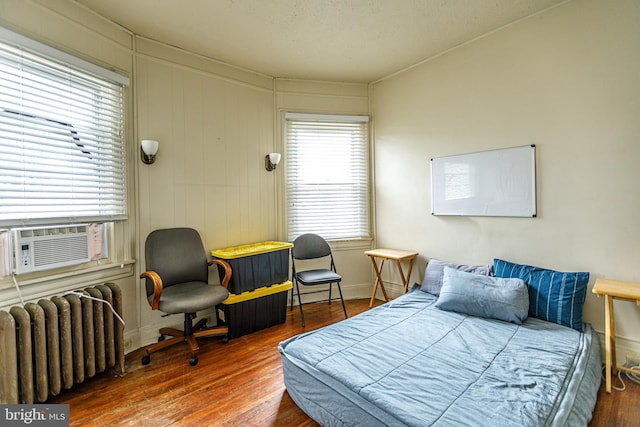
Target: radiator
pixel 48 347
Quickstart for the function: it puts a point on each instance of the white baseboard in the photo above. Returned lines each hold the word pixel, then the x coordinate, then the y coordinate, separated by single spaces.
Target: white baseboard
pixel 356 291
pixel 131 341
pixel 625 349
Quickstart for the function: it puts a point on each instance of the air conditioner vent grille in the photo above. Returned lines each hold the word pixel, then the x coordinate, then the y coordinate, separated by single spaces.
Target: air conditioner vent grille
pixel 46 252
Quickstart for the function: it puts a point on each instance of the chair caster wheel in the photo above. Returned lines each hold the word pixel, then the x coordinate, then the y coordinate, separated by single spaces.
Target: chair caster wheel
pixel 146 360
pixel 225 339
pixel 193 361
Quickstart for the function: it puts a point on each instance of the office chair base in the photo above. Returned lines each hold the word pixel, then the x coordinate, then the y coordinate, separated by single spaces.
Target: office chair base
pixel 179 336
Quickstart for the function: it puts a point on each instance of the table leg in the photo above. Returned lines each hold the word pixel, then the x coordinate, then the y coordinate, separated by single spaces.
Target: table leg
pixel 381 282
pixel 399 265
pixel 375 283
pixel 608 341
pixel 614 356
pixel 405 281
pixel 378 281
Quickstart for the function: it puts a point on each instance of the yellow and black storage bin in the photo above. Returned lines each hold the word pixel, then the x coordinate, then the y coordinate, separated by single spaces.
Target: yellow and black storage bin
pixel 255 310
pixel 255 265
pixel 258 287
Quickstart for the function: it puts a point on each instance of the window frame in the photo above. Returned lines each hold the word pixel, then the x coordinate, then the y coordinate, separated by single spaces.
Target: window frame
pixel 105 151
pixel 360 176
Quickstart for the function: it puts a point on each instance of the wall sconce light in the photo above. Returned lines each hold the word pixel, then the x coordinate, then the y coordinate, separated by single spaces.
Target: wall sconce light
pixel 148 150
pixel 271 160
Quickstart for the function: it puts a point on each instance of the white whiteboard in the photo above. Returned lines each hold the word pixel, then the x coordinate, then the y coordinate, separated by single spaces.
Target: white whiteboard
pixel 488 183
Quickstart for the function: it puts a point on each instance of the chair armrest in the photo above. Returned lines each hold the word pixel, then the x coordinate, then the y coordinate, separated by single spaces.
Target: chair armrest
pixel 227 270
pixel 157 287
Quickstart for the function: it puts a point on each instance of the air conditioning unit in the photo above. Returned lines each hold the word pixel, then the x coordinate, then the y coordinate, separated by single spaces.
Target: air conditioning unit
pixel 43 248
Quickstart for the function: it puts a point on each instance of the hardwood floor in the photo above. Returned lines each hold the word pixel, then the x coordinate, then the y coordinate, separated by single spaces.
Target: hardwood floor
pixel 619 408
pixel 239 384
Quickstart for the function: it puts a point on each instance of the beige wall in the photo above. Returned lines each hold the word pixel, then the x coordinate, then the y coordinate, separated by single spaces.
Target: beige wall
pixel 214 133
pixel 566 80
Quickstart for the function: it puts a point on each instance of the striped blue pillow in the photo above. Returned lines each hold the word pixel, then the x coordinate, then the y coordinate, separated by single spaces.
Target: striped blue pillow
pixel 554 296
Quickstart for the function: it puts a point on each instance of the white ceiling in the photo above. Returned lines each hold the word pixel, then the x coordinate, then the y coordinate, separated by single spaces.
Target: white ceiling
pixel 332 40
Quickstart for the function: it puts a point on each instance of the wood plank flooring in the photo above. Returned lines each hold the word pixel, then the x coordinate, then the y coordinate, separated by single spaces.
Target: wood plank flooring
pixel 239 384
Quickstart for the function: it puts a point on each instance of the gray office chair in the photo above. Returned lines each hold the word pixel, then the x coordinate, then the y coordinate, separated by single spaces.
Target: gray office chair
pixel 176 282
pixel 309 247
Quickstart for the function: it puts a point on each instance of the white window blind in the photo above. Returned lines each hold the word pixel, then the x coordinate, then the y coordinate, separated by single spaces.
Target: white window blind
pixel 327 175
pixel 62 154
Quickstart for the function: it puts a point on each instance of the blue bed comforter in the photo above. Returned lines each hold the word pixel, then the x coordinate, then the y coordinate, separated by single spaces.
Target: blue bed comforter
pixel 409 363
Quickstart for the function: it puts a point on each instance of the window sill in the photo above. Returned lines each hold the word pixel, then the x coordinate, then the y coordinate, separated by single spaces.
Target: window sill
pixel 42 285
pixel 349 244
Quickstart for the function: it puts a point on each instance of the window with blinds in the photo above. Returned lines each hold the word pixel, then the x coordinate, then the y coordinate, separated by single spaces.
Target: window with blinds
pixel 62 154
pixel 327 175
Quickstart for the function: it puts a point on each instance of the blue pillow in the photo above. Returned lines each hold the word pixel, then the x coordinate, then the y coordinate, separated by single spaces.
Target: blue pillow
pixel 484 296
pixel 432 281
pixel 554 296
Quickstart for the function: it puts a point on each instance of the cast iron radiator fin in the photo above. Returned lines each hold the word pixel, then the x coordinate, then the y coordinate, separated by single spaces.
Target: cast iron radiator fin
pixel 48 347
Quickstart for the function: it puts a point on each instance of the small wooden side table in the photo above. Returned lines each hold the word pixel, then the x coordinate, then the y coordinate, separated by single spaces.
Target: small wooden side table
pixel 614 289
pixel 394 255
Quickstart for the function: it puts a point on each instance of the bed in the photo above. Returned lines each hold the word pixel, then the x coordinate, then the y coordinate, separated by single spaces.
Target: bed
pixel 422 360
